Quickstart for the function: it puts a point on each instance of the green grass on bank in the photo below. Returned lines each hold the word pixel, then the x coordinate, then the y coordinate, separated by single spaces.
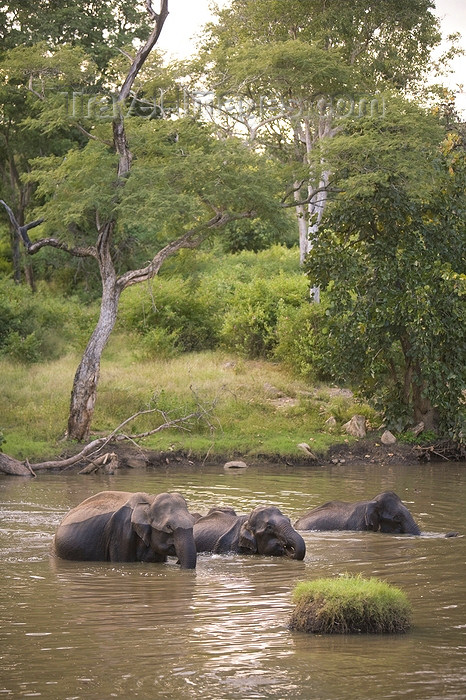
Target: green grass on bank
pixel 252 408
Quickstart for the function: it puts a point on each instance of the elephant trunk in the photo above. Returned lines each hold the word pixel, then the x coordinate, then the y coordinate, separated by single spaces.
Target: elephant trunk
pixel 185 547
pixel 412 528
pixel 295 547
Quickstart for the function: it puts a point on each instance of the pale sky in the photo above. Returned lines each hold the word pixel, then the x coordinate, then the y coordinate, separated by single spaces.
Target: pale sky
pixel 187 17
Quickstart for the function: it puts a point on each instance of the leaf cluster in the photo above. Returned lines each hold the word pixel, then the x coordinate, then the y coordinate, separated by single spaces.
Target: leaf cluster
pixel 392 264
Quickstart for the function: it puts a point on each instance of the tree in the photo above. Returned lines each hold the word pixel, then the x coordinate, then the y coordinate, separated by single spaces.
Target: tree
pixel 50 45
pixel 293 73
pixel 171 176
pixel 391 259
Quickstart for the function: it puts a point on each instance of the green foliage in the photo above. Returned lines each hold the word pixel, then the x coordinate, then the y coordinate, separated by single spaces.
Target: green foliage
pixel 387 41
pixel 250 324
pixel 188 316
pixel 350 604
pixel 180 179
pixel 74 187
pixel 38 327
pixel 301 339
pixel 391 137
pixel 157 343
pixel 2 439
pixel 255 235
pixel 219 302
pixel 99 28
pixel 427 437
pixel 391 264
pixel 23 348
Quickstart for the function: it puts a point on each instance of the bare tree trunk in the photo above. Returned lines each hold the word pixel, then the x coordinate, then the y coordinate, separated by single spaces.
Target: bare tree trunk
pixel 302 227
pixel 15 256
pixel 84 392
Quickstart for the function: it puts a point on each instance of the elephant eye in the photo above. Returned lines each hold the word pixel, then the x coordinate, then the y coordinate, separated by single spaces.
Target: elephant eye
pixel 168 527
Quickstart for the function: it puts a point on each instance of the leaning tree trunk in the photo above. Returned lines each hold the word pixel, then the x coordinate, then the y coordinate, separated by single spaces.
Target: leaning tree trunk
pixel 84 393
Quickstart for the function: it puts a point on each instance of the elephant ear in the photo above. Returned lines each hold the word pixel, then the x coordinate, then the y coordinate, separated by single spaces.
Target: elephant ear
pixel 141 523
pixel 247 539
pixel 371 517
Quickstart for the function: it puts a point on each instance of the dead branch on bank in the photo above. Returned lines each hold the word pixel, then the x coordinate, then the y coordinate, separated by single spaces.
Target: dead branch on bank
pixel 447 451
pixel 92 454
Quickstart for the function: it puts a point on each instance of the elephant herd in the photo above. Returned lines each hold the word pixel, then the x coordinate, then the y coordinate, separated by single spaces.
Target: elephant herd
pixel 123 527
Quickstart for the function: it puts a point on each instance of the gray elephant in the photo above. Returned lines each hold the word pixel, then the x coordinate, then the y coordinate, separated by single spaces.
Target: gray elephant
pixel 264 531
pixel 121 526
pixel 385 513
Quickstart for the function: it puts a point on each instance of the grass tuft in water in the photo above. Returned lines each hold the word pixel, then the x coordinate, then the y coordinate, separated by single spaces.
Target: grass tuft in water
pixel 349 604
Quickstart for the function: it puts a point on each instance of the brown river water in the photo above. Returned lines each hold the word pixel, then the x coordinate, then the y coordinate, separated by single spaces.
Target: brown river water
pixel 95 631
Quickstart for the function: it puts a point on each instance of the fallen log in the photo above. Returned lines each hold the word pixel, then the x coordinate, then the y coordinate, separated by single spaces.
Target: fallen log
pixel 108 462
pixel 12 466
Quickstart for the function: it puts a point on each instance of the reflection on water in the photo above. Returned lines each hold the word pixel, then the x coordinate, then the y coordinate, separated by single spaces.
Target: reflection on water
pixel 75 630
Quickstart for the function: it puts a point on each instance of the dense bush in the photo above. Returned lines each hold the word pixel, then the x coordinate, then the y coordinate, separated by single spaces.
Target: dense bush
pixel 250 324
pixel 255 235
pixel 232 300
pixel 40 326
pixel 186 312
pixel 302 339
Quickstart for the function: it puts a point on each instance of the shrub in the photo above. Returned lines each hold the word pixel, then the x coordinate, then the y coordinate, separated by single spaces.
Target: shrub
pixel 250 324
pixel 157 343
pixel 35 327
pixel 349 604
pixel 300 341
pixel 176 306
pixel 23 348
pixel 229 299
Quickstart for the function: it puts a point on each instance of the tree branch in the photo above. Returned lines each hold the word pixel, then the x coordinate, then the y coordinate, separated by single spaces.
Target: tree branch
pixel 21 231
pixel 76 251
pixel 307 200
pixel 145 50
pixel 190 239
pixel 91 136
pixel 32 248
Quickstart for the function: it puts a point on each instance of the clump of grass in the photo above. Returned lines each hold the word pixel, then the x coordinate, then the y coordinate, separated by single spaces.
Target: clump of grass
pixel 349 604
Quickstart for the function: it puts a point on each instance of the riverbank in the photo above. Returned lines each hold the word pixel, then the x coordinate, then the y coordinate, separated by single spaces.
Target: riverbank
pixel 252 410
pixel 368 451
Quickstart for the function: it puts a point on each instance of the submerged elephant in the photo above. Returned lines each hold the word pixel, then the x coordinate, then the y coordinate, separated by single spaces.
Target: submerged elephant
pixel 264 531
pixel 121 526
pixel 385 513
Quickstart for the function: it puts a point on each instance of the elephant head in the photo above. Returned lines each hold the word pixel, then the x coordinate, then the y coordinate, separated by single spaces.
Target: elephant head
pixel 387 513
pixel 165 526
pixel 267 531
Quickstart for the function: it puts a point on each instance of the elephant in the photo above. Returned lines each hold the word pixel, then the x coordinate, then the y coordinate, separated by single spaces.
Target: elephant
pixel 222 509
pixel 385 513
pixel 264 531
pixel 121 526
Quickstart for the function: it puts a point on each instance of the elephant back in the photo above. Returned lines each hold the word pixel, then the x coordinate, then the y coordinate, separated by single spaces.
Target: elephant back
pixel 210 529
pixel 98 504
